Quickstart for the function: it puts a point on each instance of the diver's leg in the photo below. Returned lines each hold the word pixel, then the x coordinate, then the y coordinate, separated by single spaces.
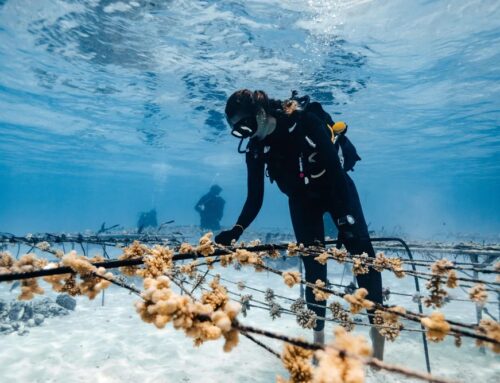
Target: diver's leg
pixel 358 244
pixel 361 243
pixel 307 221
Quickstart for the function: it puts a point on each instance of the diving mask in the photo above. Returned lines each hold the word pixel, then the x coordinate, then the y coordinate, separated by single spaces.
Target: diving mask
pixel 243 127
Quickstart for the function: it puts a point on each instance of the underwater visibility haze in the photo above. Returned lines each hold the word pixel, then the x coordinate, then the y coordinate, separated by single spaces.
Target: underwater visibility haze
pixel 112 112
pixel 109 108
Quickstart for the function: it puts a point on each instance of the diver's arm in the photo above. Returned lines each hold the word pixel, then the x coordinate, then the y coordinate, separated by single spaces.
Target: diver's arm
pixel 328 154
pixel 199 204
pixel 253 203
pixel 255 191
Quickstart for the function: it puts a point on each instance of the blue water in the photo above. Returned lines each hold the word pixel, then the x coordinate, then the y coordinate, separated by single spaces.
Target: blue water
pixel 108 108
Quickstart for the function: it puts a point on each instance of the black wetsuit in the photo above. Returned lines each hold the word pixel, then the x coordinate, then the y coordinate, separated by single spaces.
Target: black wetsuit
pixel 211 208
pixel 305 164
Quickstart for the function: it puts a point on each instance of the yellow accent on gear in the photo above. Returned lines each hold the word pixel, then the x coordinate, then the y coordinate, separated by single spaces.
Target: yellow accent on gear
pixel 337 128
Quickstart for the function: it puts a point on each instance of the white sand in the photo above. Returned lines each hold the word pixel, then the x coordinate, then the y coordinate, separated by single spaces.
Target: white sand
pixel 111 344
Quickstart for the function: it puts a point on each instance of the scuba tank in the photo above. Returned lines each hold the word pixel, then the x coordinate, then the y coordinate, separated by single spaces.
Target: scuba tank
pixel 337 130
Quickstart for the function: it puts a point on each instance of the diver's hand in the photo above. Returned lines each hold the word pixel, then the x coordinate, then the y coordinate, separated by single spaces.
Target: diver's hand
pixel 226 237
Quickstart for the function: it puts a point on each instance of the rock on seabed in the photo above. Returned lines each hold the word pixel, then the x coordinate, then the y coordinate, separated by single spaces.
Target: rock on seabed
pixel 18 316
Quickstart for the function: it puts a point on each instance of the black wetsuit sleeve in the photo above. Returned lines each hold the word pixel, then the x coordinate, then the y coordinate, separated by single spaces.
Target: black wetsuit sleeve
pixel 255 190
pixel 328 155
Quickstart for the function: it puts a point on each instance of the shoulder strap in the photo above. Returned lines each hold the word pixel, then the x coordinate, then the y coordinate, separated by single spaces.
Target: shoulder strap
pixel 349 153
pixel 337 132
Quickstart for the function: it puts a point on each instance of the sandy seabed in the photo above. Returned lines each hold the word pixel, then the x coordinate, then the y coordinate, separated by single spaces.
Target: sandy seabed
pixel 110 343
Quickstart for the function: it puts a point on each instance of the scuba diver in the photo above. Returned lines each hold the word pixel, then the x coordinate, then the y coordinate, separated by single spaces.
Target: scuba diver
pixel 297 144
pixel 211 208
pixel 147 219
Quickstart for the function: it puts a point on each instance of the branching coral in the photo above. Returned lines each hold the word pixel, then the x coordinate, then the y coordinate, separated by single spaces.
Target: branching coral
pixel 441 266
pixel 157 262
pixel 491 329
pixel 226 260
pixel 437 327
pixel 339 255
pixel 241 285
pixel 451 281
pixel 92 285
pixel 63 283
pixel 341 362
pixel 44 246
pixel 357 301
pixel 359 265
pixel 478 294
pixel 458 340
pixel 437 295
pixel 397 267
pixel 245 257
pixel 387 322
pixel 273 254
pixel 341 315
pixel 275 311
pixel 6 262
pixel 205 246
pixel 291 278
pixel 186 248
pixel 217 297
pixel 294 249
pixel 79 264
pixel 189 268
pixel 306 318
pixel 269 295
pixel 319 294
pixel 259 263
pixel 231 340
pixel 298 305
pixel 92 280
pixel 29 287
pixel 381 262
pixel 245 303
pixel 201 321
pixel 322 258
pixel 135 251
pixel 27 263
pixel 210 261
pixel 298 363
pixel 213 316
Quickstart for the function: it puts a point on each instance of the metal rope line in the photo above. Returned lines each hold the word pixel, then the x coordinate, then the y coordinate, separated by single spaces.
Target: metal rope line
pixel 426 276
pixel 378 306
pixel 343 286
pixel 284 310
pixel 350 259
pixel 118 240
pixel 259 343
pixel 370 361
pixel 409 315
pixel 314 346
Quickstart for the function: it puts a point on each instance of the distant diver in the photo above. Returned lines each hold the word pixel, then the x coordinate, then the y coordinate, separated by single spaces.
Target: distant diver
pixel 147 219
pixel 298 145
pixel 211 209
